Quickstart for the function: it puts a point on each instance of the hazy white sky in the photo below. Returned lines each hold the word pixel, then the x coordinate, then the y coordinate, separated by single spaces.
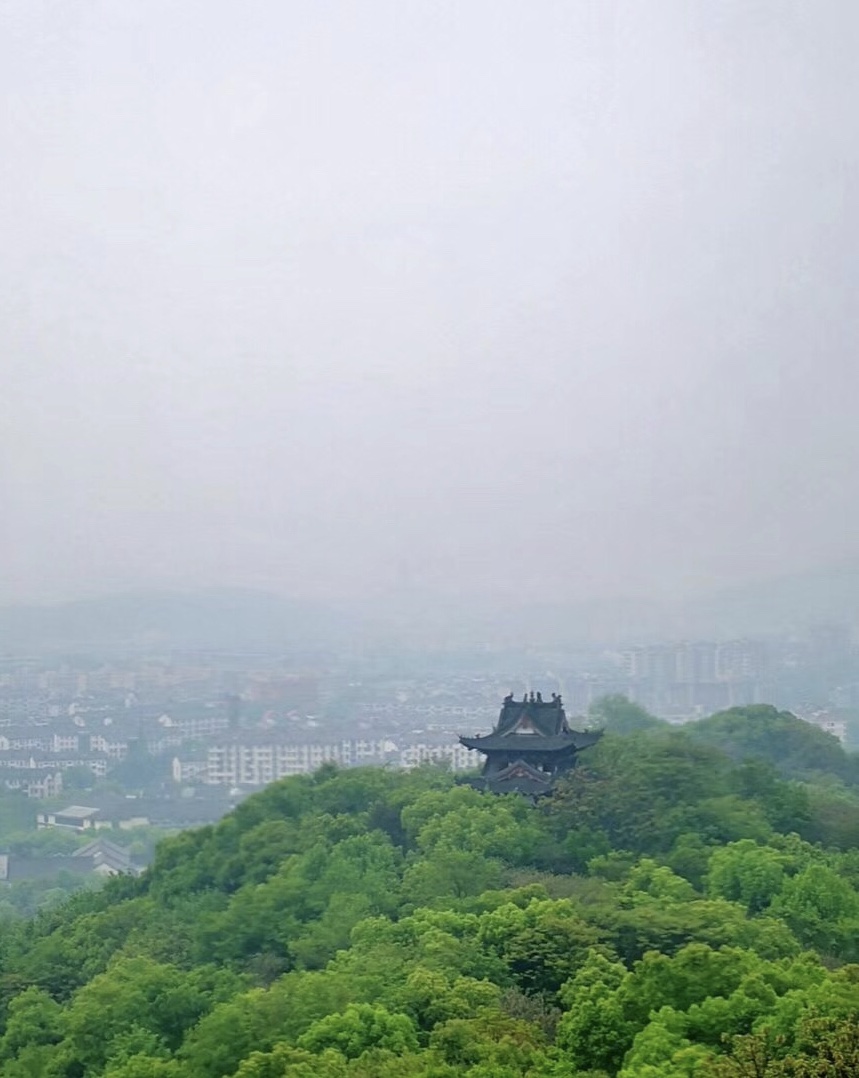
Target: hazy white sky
pixel 329 297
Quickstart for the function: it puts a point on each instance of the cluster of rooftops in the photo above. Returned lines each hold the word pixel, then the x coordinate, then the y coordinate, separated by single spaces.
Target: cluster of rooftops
pixel 530 746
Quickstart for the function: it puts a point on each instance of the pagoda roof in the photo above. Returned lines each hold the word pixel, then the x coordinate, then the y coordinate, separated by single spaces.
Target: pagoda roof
pixel 546 717
pixel 518 742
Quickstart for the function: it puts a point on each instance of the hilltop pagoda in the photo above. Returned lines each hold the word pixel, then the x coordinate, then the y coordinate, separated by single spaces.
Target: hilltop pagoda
pixel 530 747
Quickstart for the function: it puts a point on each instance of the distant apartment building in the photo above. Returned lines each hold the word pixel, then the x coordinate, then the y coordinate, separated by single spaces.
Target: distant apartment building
pixel 740 660
pixel 696 662
pixel 457 756
pixel 203 725
pixel 33 761
pixel 115 748
pixel 31 738
pixel 37 783
pixel 188 771
pixel 690 676
pixel 193 723
pixel 171 731
pixel 249 761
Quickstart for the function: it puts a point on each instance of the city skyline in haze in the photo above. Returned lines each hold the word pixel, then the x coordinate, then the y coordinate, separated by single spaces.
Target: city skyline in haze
pixel 335 301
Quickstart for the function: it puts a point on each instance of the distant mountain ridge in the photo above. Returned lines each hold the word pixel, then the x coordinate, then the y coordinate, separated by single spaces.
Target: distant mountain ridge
pixel 216 618
pixel 244 619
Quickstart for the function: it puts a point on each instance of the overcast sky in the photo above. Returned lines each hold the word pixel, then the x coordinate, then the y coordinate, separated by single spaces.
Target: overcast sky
pixel 333 298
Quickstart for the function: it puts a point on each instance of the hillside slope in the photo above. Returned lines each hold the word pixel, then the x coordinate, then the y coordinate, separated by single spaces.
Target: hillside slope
pixel 667 912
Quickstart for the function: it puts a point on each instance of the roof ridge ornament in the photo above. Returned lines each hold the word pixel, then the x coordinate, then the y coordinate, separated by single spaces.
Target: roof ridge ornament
pixel 535 734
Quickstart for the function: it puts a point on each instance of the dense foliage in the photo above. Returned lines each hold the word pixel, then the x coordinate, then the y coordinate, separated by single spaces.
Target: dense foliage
pixel 686 904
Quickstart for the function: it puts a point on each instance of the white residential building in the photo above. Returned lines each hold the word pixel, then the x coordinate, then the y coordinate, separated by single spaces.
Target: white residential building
pixel 457 756
pixel 249 761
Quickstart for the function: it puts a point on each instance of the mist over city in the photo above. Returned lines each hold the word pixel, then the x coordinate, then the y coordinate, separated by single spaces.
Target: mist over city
pixel 473 300
pixel 429 618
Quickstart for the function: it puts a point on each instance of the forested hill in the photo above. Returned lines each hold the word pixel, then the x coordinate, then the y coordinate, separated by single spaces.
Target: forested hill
pixel 674 910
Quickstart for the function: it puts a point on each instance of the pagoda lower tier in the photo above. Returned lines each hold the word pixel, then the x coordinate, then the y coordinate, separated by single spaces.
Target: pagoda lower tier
pixel 530 746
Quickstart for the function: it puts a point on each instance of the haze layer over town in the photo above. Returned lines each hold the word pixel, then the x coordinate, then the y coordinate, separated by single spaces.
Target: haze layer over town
pixel 393 303
pixel 429 618
pixel 365 363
